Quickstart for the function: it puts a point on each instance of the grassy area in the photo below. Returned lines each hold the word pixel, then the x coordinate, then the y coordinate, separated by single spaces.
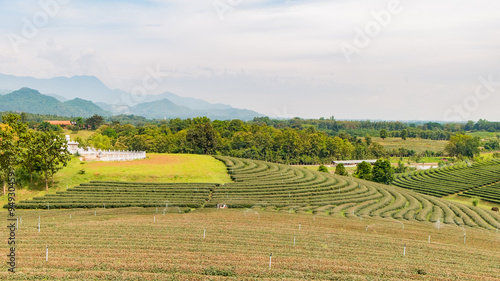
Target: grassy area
pixel 484 135
pixel 331 168
pixel 84 134
pixel 419 145
pixel 181 168
pixel 211 244
pixel 156 168
pixel 468 201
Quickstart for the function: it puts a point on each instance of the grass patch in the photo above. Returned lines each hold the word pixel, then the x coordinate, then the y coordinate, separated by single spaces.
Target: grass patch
pixel 83 134
pixel 419 145
pixel 156 168
pixel 484 135
pixel 469 201
pixel 182 168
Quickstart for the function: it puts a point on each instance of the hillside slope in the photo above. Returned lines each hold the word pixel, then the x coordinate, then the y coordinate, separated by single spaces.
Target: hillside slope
pixel 32 101
pixel 266 184
pixel 291 189
pixel 479 179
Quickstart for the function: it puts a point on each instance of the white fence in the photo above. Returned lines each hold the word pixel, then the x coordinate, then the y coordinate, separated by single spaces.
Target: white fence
pixel 110 155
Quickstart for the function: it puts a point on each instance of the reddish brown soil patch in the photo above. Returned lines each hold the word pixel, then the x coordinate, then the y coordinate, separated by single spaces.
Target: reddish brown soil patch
pixel 165 159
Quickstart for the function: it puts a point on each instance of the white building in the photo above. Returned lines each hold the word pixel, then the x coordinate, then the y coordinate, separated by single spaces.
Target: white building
pixel 72 145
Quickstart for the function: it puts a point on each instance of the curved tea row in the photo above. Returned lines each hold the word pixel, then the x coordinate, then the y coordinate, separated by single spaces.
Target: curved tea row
pixel 281 187
pixel 287 188
pixel 478 179
pixel 124 194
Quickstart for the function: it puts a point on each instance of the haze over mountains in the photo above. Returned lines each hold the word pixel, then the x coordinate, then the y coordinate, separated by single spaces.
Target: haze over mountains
pixel 87 95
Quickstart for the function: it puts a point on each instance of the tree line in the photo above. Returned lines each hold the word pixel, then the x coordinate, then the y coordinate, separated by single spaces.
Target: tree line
pixel 239 139
pixel 255 140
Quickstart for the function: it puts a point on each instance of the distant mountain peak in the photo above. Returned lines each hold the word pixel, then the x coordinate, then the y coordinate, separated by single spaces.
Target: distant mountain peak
pixel 32 101
pixel 84 91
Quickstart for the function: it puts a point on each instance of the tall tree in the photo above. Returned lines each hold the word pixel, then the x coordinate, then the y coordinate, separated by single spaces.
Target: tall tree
pixel 363 171
pixel 30 158
pixel 54 155
pixel 11 148
pixel 383 134
pixel 463 145
pixel 95 121
pixel 404 134
pixel 383 172
pixel 202 136
pixel 401 167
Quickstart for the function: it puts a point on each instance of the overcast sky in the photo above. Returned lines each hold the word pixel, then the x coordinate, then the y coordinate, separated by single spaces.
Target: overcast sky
pixel 363 59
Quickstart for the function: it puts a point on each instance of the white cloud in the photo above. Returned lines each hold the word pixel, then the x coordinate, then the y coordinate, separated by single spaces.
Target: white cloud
pixel 270 55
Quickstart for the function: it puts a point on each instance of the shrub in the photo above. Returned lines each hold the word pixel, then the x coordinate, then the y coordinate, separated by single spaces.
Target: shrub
pixel 475 201
pixel 340 170
pixel 323 168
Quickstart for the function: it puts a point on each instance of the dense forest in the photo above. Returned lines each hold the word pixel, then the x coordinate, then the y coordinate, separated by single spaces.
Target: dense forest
pixel 291 141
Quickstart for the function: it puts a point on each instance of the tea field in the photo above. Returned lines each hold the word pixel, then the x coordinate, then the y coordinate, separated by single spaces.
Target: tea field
pixel 235 244
pixel 481 180
pixel 318 226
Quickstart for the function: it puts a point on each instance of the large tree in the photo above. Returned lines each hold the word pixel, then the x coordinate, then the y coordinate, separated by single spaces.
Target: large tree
pixel 363 171
pixel 53 155
pixel 202 136
pixel 404 134
pixel 383 172
pixel 30 157
pixel 463 145
pixel 383 134
pixel 95 121
pixel 11 149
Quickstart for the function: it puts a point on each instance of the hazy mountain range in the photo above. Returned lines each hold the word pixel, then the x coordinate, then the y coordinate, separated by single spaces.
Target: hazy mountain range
pixel 87 95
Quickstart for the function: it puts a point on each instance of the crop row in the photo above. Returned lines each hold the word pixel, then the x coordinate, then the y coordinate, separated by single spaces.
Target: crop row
pixel 267 184
pixel 453 179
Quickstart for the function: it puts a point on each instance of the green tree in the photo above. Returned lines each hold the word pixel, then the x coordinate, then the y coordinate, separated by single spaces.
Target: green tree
pixel 377 150
pixel 401 167
pixel 363 171
pixel 323 168
pixel 202 136
pixel 110 132
pixel 383 134
pixel 99 141
pixel 54 155
pixel 368 140
pixel 383 172
pixel 11 147
pixel 492 145
pixel 340 170
pixel 30 158
pixel 95 121
pixel 404 134
pixel 463 145
pixel 47 127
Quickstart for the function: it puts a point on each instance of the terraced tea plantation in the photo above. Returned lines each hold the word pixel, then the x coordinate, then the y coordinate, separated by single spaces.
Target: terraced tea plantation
pixel 235 244
pixel 317 226
pixel 489 193
pixel 290 189
pixel 281 187
pixel 103 194
pixel 479 179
